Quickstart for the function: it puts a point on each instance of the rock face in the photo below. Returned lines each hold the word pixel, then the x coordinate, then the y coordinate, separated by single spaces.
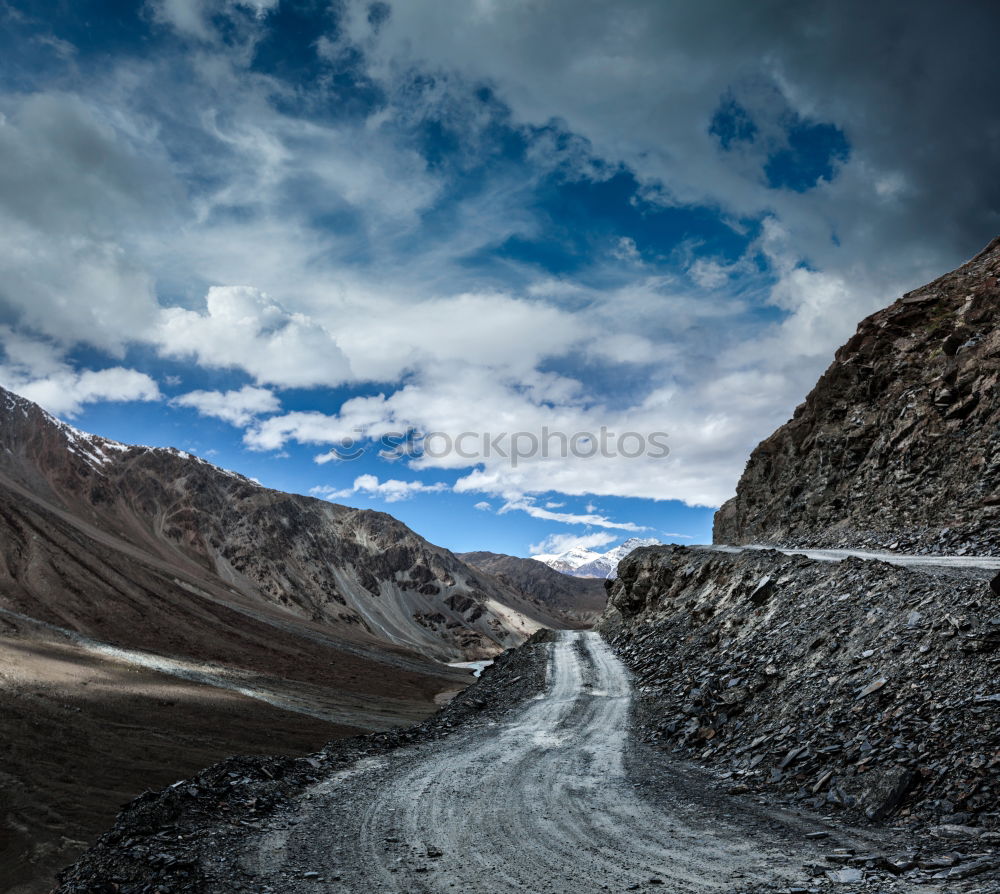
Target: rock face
pixel 362 574
pixel 580 600
pixel 857 684
pixel 896 446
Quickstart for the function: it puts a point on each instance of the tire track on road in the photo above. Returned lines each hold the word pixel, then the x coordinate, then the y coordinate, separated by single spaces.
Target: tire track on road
pixel 539 802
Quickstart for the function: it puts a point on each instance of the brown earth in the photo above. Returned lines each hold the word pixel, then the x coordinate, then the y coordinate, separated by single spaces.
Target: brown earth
pixel 84 734
pixel 580 600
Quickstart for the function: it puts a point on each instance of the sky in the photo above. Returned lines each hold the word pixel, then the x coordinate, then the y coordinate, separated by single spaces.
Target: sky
pixel 381 253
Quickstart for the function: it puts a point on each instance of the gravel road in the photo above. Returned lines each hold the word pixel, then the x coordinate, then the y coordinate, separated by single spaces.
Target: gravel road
pixel 545 799
pixel 906 560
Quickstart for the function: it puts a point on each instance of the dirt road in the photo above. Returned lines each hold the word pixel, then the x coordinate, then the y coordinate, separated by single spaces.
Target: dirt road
pixel 906 560
pixel 541 801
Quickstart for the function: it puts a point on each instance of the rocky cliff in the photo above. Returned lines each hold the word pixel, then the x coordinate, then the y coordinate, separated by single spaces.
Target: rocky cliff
pixel 854 685
pixel 897 445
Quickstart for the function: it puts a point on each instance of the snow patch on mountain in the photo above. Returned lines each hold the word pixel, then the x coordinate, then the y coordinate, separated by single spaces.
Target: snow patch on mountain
pixel 578 562
pixel 568 561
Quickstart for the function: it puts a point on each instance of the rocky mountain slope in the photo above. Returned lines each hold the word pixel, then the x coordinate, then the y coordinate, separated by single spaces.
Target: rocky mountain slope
pixel 854 685
pixel 579 600
pixel 360 573
pixel 896 446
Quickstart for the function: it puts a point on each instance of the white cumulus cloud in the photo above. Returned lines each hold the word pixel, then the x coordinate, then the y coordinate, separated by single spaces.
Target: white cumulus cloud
pixel 237 407
pixel 242 328
pixel 560 543
pixel 392 490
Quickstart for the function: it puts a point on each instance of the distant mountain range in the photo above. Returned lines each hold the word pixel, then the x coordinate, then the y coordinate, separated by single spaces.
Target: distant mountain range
pixel 173 531
pixel 578 562
pixel 580 600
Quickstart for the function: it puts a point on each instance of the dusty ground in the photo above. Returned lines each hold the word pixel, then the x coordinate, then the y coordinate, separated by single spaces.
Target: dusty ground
pixel 81 734
pixel 541 802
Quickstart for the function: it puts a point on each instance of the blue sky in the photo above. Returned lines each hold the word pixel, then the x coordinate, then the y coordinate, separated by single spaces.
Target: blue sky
pixel 254 229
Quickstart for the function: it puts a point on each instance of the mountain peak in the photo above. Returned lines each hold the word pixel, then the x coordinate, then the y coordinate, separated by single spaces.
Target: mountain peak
pixel 580 562
pixel 363 576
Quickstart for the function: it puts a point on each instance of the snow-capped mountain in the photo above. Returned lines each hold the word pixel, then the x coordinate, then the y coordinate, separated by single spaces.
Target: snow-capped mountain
pixel 568 561
pixel 587 563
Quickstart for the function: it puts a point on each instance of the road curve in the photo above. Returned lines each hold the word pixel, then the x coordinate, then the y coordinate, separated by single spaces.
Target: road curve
pixel 906 560
pixel 540 802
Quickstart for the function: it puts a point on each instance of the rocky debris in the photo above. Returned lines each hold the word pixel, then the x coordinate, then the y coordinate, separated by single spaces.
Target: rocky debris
pixel 161 840
pixel 926 865
pixel 895 448
pixel 857 686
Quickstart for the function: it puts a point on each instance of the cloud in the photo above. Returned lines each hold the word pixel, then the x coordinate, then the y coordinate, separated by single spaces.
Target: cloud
pixel 567 518
pixel 66 393
pixel 483 506
pixel 626 250
pixel 36 370
pixel 242 328
pixel 391 490
pixel 192 18
pixel 237 407
pixel 560 543
pixel 588 63
pixel 66 272
pixel 454 399
pixel 306 427
pixel 393 236
pixel 709 274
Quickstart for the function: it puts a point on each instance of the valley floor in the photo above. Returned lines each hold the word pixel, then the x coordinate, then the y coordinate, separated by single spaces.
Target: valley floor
pixel 531 780
pixel 83 730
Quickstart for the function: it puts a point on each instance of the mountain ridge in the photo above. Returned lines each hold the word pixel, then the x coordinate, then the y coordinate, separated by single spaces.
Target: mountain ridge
pixel 342 567
pixel 580 599
pixel 158 613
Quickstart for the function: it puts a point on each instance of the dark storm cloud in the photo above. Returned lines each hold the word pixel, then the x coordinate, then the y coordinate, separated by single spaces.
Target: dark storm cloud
pixel 911 85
